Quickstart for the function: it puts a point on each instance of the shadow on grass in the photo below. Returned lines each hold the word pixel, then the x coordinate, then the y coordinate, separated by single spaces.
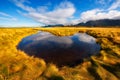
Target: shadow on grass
pixel 56 78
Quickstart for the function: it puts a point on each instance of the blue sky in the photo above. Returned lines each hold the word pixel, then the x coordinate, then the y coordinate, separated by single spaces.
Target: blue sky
pixel 50 12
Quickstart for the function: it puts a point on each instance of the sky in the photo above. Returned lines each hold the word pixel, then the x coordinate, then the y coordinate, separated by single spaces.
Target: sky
pixel 15 13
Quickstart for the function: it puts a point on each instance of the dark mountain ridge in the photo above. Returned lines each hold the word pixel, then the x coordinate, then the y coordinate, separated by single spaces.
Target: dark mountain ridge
pixel 102 22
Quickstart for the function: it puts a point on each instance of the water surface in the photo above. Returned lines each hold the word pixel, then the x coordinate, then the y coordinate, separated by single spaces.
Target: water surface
pixel 59 50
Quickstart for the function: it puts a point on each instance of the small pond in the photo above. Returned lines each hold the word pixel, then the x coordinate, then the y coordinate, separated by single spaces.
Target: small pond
pixel 59 50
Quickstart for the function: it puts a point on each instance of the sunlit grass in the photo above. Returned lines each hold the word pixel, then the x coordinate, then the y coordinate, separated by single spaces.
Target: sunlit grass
pixel 16 65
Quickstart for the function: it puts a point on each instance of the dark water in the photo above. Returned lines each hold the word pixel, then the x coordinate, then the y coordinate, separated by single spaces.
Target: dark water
pixel 60 50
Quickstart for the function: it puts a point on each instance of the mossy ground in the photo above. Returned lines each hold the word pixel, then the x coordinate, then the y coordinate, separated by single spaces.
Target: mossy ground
pixel 16 65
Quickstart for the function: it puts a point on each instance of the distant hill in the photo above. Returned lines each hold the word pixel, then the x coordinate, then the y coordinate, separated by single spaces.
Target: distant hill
pixel 102 22
pixel 57 25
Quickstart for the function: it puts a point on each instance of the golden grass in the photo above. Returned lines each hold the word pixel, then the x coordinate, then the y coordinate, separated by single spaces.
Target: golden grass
pixel 16 65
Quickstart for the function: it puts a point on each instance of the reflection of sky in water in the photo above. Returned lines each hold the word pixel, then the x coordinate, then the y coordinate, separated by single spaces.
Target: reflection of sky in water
pixel 54 48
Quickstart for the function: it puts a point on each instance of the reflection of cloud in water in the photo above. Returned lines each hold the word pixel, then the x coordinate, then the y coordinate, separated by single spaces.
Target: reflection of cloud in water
pixel 59 50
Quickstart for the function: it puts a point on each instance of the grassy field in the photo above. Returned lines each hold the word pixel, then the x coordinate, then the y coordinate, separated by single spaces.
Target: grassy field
pixel 16 65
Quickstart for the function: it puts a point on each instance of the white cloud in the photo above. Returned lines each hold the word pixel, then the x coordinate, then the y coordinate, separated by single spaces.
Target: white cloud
pixel 59 15
pixel 5 16
pixel 42 9
pixel 115 5
pixel 20 4
pixel 97 14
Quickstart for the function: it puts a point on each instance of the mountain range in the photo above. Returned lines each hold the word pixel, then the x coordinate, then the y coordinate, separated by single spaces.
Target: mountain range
pixel 102 23
pixel 93 23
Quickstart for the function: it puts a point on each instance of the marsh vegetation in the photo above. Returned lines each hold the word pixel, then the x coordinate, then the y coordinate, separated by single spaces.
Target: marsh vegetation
pixel 17 65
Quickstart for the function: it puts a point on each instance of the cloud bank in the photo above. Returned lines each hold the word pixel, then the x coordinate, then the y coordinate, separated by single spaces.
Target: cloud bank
pixel 97 14
pixel 111 12
pixel 64 13
pixel 59 15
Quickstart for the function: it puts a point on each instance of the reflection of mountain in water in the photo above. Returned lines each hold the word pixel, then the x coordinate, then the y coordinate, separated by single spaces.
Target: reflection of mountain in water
pixel 59 50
